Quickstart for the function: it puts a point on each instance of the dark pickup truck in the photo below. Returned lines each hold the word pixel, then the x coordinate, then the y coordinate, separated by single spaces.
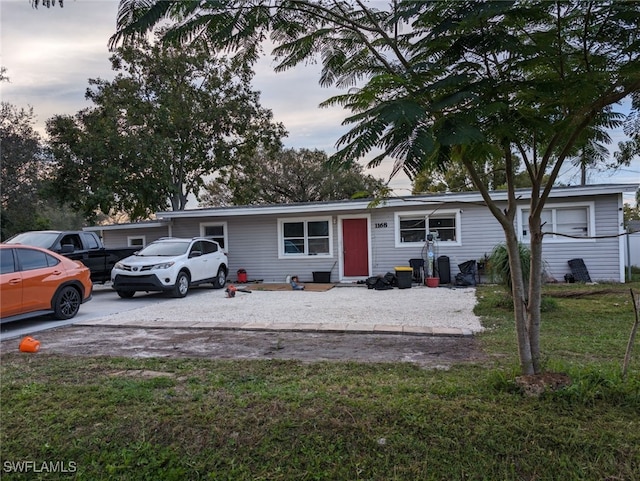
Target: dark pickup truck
pixel 80 246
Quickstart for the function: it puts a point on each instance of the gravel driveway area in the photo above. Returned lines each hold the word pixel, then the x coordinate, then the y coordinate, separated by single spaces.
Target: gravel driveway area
pixel 350 306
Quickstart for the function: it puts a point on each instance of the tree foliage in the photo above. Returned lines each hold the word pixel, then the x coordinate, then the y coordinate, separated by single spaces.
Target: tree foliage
pixel 22 168
pixel 455 178
pixel 25 168
pixel 287 176
pixel 438 83
pixel 632 212
pixel 170 117
pixel 630 149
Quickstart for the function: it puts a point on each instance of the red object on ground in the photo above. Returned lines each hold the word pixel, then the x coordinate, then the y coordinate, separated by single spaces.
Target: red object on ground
pixel 242 276
pixel 432 281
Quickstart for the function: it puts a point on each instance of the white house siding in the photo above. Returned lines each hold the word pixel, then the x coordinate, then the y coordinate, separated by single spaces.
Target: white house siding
pixel 118 238
pixel 601 256
pixel 633 246
pixel 480 233
pixel 253 243
pixel 253 246
pixel 384 256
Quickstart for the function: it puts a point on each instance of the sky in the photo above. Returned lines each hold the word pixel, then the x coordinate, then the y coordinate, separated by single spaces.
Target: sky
pixel 50 54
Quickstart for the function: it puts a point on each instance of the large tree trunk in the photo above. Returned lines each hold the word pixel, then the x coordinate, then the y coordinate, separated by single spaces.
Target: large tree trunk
pixel 520 303
pixel 535 290
pixel 506 218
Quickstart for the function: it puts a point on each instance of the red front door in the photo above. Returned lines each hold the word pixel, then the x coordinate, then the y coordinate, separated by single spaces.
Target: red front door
pixel 355 247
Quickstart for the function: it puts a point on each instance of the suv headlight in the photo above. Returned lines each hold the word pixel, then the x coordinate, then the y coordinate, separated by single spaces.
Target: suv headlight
pixel 164 265
pixel 119 265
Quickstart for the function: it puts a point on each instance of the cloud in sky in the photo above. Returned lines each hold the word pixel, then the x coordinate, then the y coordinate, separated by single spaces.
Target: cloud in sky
pixel 51 53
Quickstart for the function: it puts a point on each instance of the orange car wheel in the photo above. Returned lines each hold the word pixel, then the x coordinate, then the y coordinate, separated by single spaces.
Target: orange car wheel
pixel 67 303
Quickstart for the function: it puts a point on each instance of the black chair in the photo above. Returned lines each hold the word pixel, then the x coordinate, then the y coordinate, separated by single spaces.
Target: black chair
pixel 418 270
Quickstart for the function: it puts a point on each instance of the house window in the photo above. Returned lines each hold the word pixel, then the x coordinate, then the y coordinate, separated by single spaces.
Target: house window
pixel 443 228
pixel 308 237
pixel 136 241
pixel 412 229
pixel 216 232
pixel 562 223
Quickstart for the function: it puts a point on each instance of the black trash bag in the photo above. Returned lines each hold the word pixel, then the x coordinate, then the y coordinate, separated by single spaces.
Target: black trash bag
pixel 380 283
pixel 467 275
pixel 391 279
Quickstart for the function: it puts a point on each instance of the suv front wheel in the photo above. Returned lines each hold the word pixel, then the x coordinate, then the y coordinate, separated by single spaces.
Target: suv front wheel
pixel 221 279
pixel 181 287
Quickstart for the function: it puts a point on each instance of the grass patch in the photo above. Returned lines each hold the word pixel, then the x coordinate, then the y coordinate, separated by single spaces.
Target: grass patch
pixel 165 419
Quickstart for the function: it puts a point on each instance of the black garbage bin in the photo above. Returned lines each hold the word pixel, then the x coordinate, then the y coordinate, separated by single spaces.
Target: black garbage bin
pixel 322 276
pixel 404 276
pixel 444 270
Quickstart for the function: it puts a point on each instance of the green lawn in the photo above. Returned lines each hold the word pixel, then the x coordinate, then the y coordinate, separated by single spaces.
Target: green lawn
pixel 164 419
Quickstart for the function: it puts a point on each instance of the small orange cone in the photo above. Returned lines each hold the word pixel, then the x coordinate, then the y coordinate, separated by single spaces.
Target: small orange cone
pixel 29 344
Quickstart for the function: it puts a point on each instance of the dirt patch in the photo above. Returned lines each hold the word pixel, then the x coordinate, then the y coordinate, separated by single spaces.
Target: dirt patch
pixel 537 384
pixel 426 351
pixel 141 374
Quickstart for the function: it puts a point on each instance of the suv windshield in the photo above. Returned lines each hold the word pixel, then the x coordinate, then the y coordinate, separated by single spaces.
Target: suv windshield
pixel 165 249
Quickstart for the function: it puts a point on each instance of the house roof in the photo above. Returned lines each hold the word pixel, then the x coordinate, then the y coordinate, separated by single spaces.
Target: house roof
pixel 145 224
pixel 416 200
pixel 426 200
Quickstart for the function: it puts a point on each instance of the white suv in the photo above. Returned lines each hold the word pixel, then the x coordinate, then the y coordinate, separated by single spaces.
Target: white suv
pixel 171 265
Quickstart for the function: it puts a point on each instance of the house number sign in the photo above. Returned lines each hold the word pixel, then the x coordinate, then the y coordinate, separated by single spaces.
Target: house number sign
pixel 381 225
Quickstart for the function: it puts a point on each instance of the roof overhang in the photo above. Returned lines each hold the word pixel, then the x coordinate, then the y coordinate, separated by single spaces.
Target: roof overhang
pixel 132 225
pixel 394 202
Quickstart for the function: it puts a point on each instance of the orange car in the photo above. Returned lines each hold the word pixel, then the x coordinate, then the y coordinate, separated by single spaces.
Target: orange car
pixel 36 281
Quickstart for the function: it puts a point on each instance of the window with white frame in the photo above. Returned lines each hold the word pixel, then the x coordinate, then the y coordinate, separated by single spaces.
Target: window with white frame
pixel 215 231
pixel 136 241
pixel 443 228
pixel 304 237
pixel 413 228
pixel 562 223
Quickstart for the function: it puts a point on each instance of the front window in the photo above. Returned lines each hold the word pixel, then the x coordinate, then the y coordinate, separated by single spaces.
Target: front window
pixel 216 232
pixel 412 229
pixel 443 228
pixel 305 237
pixel 562 223
pixel 136 241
